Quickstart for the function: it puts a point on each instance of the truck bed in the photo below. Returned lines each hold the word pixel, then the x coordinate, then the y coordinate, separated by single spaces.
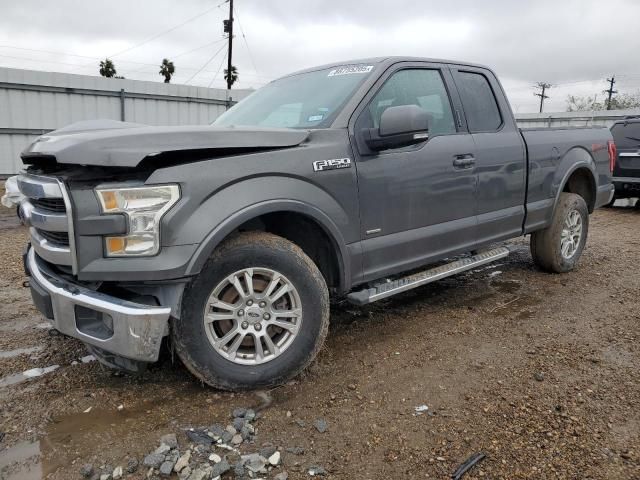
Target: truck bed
pixel 550 151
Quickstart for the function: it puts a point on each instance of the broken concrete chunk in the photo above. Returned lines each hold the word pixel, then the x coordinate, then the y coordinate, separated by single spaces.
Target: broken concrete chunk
pixel 183 461
pixel 170 440
pixel 153 460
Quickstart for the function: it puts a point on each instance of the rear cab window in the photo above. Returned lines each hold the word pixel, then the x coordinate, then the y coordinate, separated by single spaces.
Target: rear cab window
pixel 479 102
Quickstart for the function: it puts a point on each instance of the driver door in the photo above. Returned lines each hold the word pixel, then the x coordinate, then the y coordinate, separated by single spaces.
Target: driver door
pixel 417 203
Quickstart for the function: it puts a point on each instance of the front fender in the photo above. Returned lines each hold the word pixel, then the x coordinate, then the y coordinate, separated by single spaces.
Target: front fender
pixel 227 209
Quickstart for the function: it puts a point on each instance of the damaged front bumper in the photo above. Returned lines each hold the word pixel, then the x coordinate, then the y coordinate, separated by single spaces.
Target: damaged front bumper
pixel 120 327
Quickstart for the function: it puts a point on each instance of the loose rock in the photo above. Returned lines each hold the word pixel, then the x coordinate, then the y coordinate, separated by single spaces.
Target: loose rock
pixel 170 440
pixel 87 470
pixel 220 468
pixel 166 468
pixel 117 473
pixel 153 460
pixel 266 452
pixel 281 476
pixel 296 450
pixel 239 412
pixel 315 470
pixel 132 466
pixel 183 461
pixel 274 459
pixel 199 436
pixel 321 425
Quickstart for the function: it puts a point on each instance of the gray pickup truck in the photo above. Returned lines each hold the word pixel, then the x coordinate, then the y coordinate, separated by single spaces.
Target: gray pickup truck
pixel 357 180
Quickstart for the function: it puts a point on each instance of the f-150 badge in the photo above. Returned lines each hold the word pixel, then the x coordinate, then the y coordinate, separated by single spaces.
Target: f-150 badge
pixel 322 165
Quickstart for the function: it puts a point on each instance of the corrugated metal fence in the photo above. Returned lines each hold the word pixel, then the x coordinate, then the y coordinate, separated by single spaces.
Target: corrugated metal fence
pixel 33 103
pixel 574 119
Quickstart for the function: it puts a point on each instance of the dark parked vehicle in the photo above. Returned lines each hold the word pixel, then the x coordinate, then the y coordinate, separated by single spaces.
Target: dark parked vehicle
pixel 344 180
pixel 626 173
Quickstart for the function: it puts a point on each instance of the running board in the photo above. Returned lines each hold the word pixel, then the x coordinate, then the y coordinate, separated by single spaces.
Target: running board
pixel 386 289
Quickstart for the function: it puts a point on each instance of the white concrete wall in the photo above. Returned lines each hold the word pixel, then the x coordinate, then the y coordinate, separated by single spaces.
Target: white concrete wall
pixel 34 102
pixel 574 119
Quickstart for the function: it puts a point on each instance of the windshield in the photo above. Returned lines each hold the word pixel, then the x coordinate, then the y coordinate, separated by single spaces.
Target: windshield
pixel 307 100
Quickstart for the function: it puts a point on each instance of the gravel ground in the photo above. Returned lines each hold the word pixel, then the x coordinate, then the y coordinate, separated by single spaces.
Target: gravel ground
pixel 538 371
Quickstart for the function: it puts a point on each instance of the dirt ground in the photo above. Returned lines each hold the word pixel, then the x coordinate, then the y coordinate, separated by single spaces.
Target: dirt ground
pixel 540 372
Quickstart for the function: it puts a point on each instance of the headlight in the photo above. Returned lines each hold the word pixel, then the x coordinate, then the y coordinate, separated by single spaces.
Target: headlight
pixel 144 207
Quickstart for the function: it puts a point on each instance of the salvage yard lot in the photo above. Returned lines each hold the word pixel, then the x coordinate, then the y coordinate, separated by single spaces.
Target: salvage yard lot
pixel 538 371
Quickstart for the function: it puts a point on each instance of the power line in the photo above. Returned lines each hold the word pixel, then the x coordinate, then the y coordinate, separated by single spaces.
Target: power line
pixel 205 64
pixel 153 65
pixel 169 30
pixel 610 90
pixel 217 72
pixel 544 86
pixel 244 37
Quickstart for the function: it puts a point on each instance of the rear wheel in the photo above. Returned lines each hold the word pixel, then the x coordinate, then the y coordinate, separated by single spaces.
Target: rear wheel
pixel 256 315
pixel 558 248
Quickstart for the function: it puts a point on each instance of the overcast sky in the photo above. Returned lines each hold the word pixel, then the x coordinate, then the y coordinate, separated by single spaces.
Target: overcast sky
pixel 573 44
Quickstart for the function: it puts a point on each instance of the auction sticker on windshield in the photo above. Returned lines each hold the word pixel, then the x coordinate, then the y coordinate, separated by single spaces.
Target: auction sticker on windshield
pixel 350 69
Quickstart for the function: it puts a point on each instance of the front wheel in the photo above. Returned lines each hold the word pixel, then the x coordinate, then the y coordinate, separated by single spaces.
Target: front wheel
pixel 558 247
pixel 255 316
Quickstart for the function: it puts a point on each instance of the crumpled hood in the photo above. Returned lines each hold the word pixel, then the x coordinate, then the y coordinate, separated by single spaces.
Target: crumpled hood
pixel 111 143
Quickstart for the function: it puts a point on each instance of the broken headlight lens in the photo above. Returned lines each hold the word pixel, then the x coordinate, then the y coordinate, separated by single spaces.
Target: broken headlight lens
pixel 144 208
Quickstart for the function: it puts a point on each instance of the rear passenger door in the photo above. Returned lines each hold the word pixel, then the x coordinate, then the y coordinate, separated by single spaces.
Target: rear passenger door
pixel 500 154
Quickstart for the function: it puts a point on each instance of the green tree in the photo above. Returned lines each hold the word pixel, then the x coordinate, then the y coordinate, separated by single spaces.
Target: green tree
pixel 167 70
pixel 107 68
pixel 234 75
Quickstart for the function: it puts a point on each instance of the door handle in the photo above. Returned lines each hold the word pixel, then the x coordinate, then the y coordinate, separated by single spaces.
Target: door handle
pixel 464 161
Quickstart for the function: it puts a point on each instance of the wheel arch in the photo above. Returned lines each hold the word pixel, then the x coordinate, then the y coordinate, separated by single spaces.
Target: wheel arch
pixel 576 173
pixel 262 216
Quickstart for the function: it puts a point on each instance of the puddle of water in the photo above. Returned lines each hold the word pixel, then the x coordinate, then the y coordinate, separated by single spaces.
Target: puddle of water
pixel 19 351
pixel 21 462
pixel 26 375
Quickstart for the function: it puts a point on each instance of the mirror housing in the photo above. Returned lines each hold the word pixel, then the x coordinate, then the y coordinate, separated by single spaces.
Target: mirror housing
pixel 400 126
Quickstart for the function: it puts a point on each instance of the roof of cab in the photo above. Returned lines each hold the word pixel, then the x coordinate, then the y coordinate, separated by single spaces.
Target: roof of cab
pixel 386 61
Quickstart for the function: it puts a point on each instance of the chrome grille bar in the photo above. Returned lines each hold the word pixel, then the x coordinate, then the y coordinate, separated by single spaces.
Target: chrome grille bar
pixel 51 247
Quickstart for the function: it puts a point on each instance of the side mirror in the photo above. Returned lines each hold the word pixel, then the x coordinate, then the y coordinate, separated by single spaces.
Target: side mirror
pixel 400 126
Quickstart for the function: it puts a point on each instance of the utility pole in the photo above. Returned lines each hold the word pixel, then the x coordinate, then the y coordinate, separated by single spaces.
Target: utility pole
pixel 544 86
pixel 610 90
pixel 228 28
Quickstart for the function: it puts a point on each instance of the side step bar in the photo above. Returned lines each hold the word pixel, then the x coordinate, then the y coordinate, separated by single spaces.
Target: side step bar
pixel 386 289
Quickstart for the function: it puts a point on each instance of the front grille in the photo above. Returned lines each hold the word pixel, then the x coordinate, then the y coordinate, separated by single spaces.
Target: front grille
pixel 47 210
pixel 50 204
pixel 58 238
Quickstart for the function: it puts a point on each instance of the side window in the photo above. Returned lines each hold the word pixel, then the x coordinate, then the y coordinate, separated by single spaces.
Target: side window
pixel 421 87
pixel 479 102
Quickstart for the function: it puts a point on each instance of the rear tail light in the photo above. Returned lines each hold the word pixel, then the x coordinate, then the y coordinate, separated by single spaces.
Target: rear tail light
pixel 613 154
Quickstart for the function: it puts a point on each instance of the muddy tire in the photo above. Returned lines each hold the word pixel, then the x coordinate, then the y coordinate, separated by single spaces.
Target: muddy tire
pixel 255 316
pixel 558 248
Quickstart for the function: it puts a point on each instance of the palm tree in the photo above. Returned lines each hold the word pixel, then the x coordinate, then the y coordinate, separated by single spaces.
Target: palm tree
pixel 167 70
pixel 107 68
pixel 233 78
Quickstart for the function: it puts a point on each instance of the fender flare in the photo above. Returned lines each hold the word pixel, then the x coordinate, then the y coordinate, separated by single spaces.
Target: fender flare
pixel 586 161
pixel 222 230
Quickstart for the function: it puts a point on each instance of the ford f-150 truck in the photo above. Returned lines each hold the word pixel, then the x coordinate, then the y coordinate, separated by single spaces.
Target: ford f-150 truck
pixel 357 180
